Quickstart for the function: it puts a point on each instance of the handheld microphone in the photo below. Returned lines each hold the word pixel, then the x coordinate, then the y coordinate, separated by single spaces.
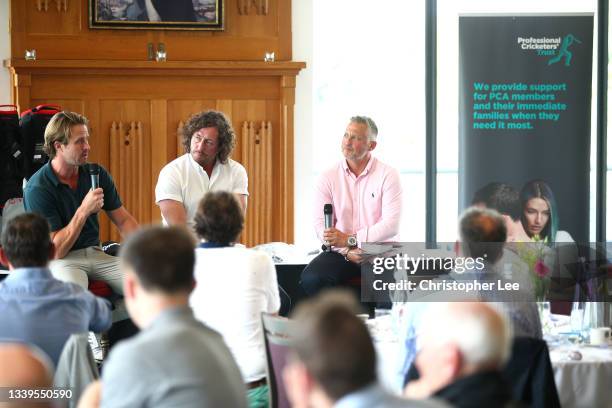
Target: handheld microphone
pixel 328 217
pixel 94 174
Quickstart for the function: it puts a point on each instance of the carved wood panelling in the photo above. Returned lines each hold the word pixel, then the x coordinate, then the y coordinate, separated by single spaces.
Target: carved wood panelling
pixel 261 7
pixel 130 165
pixel 158 101
pixel 60 5
pixel 257 159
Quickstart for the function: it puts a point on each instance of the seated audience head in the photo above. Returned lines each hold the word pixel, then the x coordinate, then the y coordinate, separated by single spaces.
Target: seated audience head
pixel 500 197
pixel 219 218
pixel 24 367
pixel 504 199
pixel 333 352
pixel 482 233
pixel 158 265
pixel 62 126
pixel 539 211
pixel 208 136
pixel 26 242
pixel 459 339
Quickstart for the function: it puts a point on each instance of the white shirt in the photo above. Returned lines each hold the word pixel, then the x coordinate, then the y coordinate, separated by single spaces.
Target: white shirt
pixel 233 286
pixel 185 181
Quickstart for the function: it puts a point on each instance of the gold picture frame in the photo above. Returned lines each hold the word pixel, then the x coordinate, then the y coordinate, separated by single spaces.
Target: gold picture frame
pixel 157 14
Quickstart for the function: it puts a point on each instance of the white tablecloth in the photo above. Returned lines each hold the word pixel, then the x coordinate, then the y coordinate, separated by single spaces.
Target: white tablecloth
pixel 583 383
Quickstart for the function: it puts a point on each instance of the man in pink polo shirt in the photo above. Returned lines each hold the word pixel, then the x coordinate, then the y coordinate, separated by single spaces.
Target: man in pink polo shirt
pixel 366 196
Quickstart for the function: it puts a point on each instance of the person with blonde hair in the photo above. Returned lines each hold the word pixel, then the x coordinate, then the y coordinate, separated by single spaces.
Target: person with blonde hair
pixel 62 192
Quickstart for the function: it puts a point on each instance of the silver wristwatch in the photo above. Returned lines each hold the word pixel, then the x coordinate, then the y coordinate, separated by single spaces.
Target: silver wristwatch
pixel 352 241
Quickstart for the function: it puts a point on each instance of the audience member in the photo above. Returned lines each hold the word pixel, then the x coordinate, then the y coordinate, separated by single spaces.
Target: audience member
pixel 250 278
pixel 208 139
pixel 366 197
pixel 482 232
pixel 464 346
pixel 24 368
pixel 504 199
pixel 35 307
pixel 62 192
pixel 175 360
pixel 334 361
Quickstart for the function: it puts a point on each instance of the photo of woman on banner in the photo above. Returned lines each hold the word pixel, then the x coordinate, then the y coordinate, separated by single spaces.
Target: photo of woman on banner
pixel 539 213
pixel 556 248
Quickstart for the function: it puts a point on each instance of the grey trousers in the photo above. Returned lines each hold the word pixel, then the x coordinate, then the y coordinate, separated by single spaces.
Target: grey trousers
pixel 80 265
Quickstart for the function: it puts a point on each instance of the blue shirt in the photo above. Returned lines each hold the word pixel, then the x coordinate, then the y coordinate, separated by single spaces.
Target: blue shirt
pixel 57 202
pixel 36 308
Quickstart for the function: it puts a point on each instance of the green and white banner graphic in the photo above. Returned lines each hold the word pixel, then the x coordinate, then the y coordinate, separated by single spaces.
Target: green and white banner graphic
pixel 525 107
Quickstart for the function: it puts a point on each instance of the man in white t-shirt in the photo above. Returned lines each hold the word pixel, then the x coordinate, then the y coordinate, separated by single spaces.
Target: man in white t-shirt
pixel 208 139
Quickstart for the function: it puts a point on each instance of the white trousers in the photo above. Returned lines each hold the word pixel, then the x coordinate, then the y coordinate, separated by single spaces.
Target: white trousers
pixel 80 265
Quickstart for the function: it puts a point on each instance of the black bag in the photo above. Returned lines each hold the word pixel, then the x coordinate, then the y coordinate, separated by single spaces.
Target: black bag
pixel 33 123
pixel 11 155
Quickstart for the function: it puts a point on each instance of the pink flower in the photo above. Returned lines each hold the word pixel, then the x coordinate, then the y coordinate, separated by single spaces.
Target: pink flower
pixel 541 269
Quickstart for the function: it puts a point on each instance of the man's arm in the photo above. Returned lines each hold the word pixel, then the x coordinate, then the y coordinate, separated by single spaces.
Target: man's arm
pixel 64 238
pixel 123 220
pixel 99 312
pixel 242 200
pixel 240 187
pixel 173 212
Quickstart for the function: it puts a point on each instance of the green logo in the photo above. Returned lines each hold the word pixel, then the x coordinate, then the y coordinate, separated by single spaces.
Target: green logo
pixel 564 52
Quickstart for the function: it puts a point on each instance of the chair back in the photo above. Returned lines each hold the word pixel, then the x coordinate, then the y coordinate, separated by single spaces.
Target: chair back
pixel 530 374
pixel 12 208
pixel 277 340
pixel 76 367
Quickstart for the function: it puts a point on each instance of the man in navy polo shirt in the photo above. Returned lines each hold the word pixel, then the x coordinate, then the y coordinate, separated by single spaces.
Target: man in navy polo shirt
pixel 61 191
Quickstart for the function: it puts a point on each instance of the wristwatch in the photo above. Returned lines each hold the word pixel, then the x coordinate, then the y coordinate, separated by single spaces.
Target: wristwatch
pixel 351 241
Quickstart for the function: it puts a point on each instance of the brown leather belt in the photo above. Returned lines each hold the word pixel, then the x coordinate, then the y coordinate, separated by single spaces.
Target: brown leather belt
pixel 256 383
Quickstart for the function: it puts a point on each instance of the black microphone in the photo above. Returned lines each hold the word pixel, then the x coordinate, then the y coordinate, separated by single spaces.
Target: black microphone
pixel 328 217
pixel 94 173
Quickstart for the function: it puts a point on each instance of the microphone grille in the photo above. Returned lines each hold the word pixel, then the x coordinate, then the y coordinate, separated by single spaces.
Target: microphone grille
pixel 93 168
pixel 327 209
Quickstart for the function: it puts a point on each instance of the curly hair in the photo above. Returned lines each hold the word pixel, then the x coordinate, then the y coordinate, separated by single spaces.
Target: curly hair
pixel 206 119
pixel 219 218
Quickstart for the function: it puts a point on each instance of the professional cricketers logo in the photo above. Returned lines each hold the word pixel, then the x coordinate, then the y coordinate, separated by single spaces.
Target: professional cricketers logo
pixel 564 51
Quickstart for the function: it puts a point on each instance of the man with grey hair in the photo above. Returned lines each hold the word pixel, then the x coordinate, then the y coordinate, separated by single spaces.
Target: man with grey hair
pixel 464 346
pixel 483 235
pixel 366 198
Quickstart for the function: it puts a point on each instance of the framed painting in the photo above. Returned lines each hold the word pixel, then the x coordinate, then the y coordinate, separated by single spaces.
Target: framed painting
pixel 157 14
